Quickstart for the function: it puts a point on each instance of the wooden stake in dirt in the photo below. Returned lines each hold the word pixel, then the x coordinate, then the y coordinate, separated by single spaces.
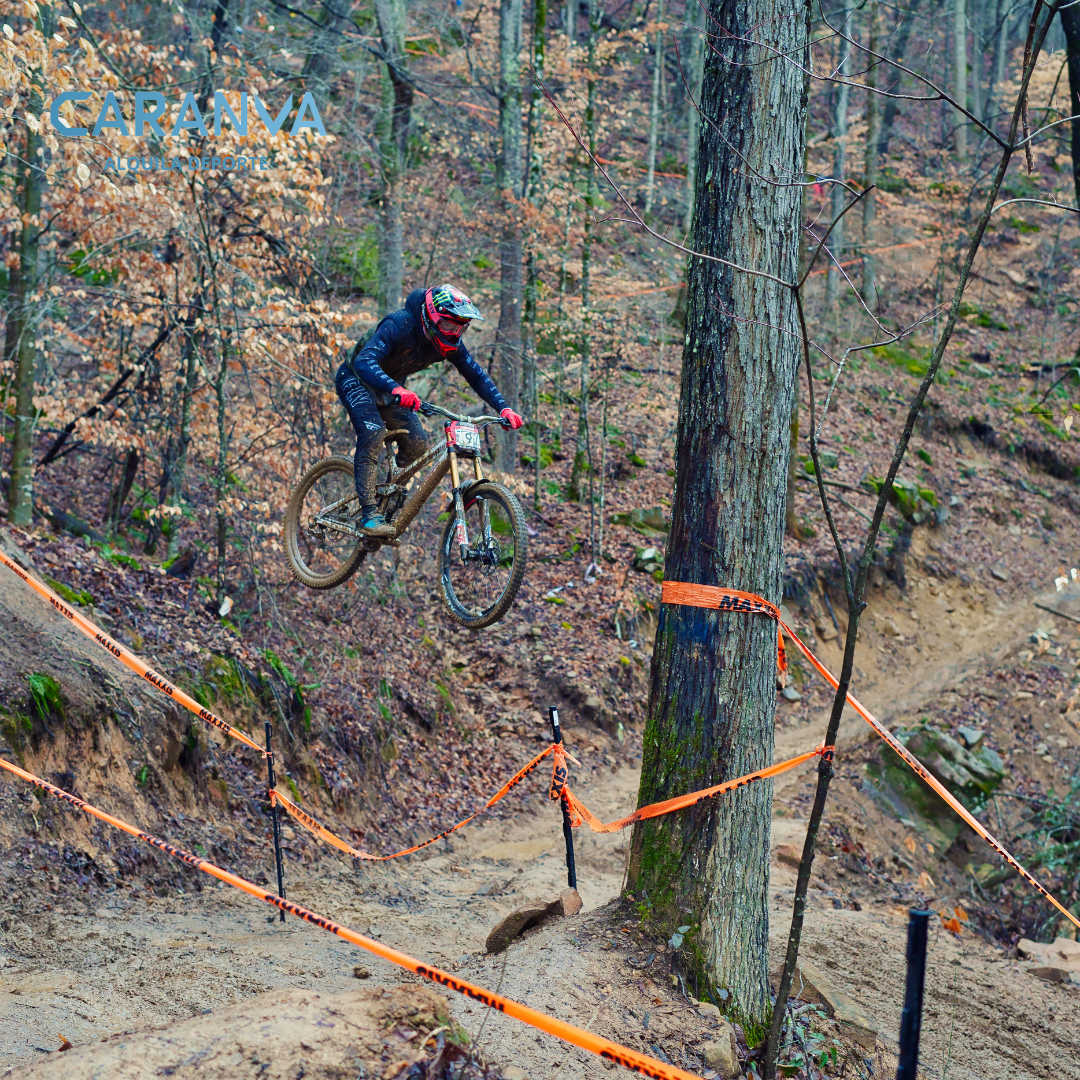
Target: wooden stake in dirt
pixel 911 1017
pixel 567 830
pixel 271 780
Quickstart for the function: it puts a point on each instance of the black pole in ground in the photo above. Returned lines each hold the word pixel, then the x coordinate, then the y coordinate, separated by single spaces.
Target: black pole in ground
pixel 567 830
pixel 271 780
pixel 911 1017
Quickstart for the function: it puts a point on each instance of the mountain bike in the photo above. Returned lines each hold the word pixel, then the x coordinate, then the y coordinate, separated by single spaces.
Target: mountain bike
pixel 483 550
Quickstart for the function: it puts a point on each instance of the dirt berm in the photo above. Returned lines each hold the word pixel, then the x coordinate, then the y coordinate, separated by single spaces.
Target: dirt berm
pixel 282 1035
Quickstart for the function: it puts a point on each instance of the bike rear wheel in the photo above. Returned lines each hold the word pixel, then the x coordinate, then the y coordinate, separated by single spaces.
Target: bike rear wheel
pixel 322 552
pixel 479 589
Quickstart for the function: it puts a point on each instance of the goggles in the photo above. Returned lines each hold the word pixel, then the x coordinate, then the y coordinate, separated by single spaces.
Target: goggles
pixel 451 327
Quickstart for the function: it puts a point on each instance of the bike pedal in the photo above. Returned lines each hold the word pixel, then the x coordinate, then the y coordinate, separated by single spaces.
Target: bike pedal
pixel 394 542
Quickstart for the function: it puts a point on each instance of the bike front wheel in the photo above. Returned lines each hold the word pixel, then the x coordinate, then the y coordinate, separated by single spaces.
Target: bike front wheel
pixel 320 539
pixel 479 587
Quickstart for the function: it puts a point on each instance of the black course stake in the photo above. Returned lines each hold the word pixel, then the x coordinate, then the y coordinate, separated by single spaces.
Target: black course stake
pixel 911 1017
pixel 271 780
pixel 567 831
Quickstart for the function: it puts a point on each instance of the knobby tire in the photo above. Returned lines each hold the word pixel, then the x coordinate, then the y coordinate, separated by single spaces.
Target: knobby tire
pixel 449 557
pixel 301 571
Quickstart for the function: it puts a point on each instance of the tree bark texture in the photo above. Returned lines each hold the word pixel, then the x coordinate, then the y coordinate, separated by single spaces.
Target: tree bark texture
pixel 1070 23
pixel 713 691
pixel 19 342
pixel 394 133
pixel 511 184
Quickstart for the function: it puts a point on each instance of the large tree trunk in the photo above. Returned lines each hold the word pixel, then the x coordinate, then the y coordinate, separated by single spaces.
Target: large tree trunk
pixel 713 692
pixel 1070 23
pixel 21 332
pixel 511 184
pixel 393 136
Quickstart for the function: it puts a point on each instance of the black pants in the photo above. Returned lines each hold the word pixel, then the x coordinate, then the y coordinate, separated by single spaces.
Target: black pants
pixel 373 414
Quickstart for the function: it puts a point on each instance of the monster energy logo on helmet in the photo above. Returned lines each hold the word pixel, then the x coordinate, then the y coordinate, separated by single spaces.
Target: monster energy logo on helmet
pixel 445 313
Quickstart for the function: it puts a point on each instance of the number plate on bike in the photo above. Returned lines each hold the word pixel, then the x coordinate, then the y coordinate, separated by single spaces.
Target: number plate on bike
pixel 463 437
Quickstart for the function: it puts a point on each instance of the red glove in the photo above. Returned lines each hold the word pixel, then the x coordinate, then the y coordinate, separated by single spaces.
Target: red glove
pixel 512 417
pixel 406 397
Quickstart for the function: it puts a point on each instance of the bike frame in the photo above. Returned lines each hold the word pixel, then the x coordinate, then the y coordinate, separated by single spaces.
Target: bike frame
pixel 440 459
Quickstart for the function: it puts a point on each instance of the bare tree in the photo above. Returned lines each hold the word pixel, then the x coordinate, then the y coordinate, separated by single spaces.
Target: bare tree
pixel 960 73
pixel 511 183
pixel 855 577
pixel 840 135
pixel 394 121
pixel 23 302
pixel 870 160
pixel 654 110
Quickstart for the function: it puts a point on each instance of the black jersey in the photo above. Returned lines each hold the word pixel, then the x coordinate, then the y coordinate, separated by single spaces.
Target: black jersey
pixel 398 348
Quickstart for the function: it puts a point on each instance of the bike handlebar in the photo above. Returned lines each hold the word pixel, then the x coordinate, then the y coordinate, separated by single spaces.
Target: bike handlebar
pixel 430 409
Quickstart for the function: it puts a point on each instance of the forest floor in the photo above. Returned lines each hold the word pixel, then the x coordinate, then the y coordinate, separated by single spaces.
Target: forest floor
pixel 392 724
pixel 130 960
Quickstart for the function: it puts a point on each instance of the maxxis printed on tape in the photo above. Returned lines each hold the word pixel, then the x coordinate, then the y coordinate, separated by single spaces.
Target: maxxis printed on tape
pixel 673 592
pixel 126 657
pixel 585 1040
pixel 721 599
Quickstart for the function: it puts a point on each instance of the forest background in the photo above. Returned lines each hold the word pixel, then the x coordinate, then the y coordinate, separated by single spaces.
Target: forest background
pixel 170 336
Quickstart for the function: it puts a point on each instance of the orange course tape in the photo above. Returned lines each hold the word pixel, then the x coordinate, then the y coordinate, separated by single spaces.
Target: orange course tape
pixel 314 826
pixel 604 1048
pixel 713 596
pixel 127 658
pixel 579 813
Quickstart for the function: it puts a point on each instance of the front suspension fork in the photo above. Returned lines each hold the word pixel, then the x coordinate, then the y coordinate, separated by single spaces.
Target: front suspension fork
pixel 461 529
pixel 462 536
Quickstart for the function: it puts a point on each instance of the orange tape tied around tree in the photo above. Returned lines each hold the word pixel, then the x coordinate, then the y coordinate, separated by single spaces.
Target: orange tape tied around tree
pixel 721 599
pixel 595 1044
pixel 126 657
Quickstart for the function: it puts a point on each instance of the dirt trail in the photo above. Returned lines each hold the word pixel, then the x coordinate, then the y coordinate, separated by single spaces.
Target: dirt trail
pixel 135 964
pixel 153 961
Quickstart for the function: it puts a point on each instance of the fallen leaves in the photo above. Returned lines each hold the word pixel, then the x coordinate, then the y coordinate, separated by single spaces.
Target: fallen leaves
pixel 954 923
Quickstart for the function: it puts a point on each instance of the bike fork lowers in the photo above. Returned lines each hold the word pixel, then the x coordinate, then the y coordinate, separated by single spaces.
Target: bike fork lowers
pixel 462 536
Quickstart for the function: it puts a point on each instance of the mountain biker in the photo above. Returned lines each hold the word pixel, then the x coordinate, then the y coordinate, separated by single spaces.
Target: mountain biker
pixel 370 383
